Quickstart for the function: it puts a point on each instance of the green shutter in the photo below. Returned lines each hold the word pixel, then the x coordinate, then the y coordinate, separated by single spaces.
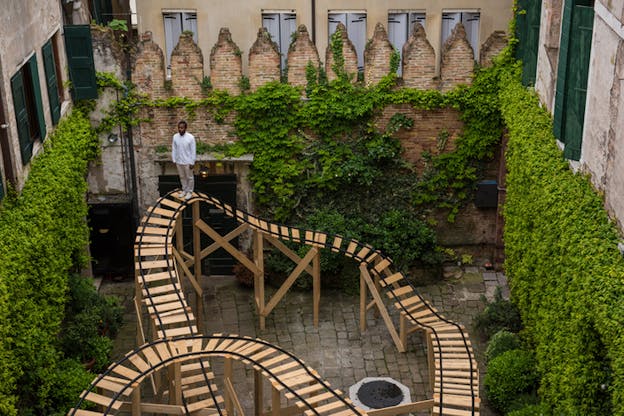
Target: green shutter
pixel 576 84
pixel 1 189
pixel 51 81
pixel 527 31
pixel 80 60
pixel 560 99
pixel 21 116
pixel 36 86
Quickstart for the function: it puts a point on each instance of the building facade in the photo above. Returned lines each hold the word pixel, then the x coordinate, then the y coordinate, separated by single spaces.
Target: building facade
pixel 579 50
pixel 167 19
pixel 33 93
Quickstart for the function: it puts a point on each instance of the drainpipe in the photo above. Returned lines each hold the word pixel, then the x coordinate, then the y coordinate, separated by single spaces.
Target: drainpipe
pixel 133 178
pixel 313 28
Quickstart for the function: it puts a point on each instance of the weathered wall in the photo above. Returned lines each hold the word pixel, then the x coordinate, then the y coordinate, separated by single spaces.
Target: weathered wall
pixel 419 61
pixel 377 55
pixel 226 64
pixel 25 26
pixel 348 54
pixel 602 153
pixel 264 61
pixel 548 52
pixel 492 47
pixel 301 53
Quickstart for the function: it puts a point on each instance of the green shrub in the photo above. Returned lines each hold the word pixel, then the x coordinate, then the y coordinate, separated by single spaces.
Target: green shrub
pixel 69 380
pixel 509 375
pixel 531 410
pixel 498 315
pixel 501 342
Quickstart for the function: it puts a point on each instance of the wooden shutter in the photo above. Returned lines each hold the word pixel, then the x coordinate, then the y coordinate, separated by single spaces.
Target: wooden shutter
pixel 560 98
pixel 576 84
pixel 36 90
pixel 356 29
pixel 21 116
pixel 80 61
pixel 51 81
pixel 527 32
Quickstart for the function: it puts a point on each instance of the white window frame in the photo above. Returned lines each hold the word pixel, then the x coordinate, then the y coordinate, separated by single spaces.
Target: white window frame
pixel 400 27
pixel 467 18
pixel 185 20
pixel 357 34
pixel 280 24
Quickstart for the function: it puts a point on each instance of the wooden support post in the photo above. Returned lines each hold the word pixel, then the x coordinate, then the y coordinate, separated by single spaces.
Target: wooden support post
pixel 227 375
pixel 316 287
pixel 430 358
pixel 175 389
pixel 275 402
pixel 197 269
pixel 136 399
pixel 258 399
pixel 179 233
pixel 403 328
pixel 363 307
pixel 259 276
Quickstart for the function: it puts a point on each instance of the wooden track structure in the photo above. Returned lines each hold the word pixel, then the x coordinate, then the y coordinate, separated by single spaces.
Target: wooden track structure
pixel 178 354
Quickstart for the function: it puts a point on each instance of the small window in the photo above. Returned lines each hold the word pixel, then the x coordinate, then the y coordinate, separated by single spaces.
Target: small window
pixel 28 107
pixel 356 30
pixel 175 24
pixel 280 26
pixel 470 20
pixel 400 27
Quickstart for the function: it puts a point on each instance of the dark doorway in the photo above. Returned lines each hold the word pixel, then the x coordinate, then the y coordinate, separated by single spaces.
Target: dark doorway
pixel 112 237
pixel 222 187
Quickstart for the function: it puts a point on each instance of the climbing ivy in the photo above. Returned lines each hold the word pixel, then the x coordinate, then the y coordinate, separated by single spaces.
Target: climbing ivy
pixel 563 264
pixel 44 235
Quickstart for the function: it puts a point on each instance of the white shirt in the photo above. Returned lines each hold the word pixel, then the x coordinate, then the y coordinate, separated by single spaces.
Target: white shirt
pixel 183 149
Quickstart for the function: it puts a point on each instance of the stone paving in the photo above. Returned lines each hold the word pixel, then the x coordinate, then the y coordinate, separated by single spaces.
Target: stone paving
pixel 336 348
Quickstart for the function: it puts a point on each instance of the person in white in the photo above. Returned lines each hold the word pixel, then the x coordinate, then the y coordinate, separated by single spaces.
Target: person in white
pixel 183 155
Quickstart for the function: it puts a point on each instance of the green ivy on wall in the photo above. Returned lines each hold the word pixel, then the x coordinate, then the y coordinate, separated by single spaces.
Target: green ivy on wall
pixel 44 234
pixel 563 264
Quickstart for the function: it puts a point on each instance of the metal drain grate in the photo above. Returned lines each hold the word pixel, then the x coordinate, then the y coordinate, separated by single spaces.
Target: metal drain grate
pixel 378 393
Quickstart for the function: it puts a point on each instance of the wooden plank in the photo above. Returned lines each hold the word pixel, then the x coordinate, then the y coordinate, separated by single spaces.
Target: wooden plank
pixel 336 244
pixel 170 203
pixel 304 390
pixel 167 213
pixel 101 400
pixel 452 412
pixel 402 408
pixel 393 278
pixel 382 309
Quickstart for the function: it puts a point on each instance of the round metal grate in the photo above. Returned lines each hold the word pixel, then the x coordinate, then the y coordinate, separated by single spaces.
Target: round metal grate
pixel 379 394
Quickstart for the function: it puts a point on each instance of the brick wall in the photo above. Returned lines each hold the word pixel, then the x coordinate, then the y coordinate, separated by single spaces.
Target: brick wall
pixel 349 54
pixel 434 131
pixel 377 56
pixel 148 72
pixel 226 64
pixel 187 68
pixel 457 60
pixel 419 61
pixel 301 52
pixel 264 61
pixel 491 47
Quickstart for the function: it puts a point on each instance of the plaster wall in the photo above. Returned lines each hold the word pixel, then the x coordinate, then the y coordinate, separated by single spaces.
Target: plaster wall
pixel 25 26
pixel 245 18
pixel 548 52
pixel 603 139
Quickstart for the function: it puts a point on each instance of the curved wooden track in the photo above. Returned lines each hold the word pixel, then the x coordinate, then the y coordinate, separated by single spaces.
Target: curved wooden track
pixel 179 346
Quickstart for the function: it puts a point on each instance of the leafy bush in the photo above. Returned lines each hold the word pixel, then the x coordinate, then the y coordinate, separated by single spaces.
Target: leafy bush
pixel 501 342
pixel 498 315
pixel 69 380
pixel 531 410
pixel 510 374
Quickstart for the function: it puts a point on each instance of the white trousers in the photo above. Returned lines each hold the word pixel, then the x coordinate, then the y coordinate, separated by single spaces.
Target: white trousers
pixel 186 177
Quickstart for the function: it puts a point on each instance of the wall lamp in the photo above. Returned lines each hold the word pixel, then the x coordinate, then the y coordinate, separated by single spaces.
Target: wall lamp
pixel 112 138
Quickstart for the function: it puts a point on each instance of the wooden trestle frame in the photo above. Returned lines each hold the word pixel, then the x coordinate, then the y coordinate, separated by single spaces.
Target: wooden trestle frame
pixel 176 348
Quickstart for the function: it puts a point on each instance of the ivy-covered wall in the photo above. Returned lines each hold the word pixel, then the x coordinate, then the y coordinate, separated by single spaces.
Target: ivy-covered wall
pixel 563 264
pixel 43 237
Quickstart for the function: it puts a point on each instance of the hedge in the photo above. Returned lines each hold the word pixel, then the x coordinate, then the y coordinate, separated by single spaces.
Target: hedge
pixel 564 267
pixel 43 235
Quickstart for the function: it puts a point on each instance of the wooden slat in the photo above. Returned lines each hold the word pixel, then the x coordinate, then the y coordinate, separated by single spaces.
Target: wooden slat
pixel 170 203
pixel 452 412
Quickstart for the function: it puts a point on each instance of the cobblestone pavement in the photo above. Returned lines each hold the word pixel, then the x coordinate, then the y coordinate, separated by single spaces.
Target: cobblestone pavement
pixel 336 348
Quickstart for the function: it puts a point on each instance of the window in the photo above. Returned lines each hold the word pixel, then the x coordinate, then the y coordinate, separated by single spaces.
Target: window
pixel 527 32
pixel 470 20
pixel 175 24
pixel 28 107
pixel 50 64
pixel 280 26
pixel 356 30
pixel 400 26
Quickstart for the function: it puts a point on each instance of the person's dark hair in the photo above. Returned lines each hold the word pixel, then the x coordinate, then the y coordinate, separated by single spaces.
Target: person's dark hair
pixel 183 122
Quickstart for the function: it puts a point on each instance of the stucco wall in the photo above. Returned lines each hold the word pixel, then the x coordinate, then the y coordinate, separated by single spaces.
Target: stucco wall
pixel 602 152
pixel 25 26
